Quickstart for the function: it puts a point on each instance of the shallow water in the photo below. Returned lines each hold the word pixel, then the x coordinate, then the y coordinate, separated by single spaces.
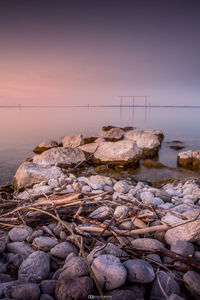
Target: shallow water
pixel 21 129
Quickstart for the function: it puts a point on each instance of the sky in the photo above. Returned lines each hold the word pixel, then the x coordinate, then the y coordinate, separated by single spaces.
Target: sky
pixel 79 52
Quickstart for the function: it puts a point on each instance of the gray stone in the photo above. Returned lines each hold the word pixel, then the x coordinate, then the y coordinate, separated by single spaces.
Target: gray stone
pixel 95 186
pixel 108 189
pixel 48 287
pixel 171 219
pixel 121 212
pixel 19 234
pixel 103 180
pixel 168 284
pixel 192 281
pixel 109 271
pixel 139 271
pixel 36 192
pixel 147 244
pixel 35 268
pixel 62 250
pixel 53 183
pixel 74 288
pixel 121 187
pixel 30 173
pixel 20 248
pixel 25 291
pixel 123 152
pixel 35 234
pixel 74 267
pixel 44 243
pixel 149 199
pixel 183 248
pixel 86 189
pixel 189 232
pixel 154 257
pixel 160 193
pixel 101 213
pixel 72 141
pixel 61 157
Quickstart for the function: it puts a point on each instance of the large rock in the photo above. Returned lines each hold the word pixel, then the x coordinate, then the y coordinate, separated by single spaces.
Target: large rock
pixel 72 141
pixel 30 173
pixel 109 271
pixel 112 135
pixel 158 133
pixel 149 143
pixel 45 146
pixel 61 156
pixel 189 232
pixel 122 152
pixel 35 267
pixel 189 159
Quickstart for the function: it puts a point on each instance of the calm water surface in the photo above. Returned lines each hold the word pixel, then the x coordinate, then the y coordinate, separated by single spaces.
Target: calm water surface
pixel 21 129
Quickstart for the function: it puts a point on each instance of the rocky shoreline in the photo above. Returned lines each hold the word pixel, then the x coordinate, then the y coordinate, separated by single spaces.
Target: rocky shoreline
pixel 68 236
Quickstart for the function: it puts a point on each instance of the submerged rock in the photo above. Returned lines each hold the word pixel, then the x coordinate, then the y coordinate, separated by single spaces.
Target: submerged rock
pixel 72 141
pixel 112 135
pixel 189 159
pixel 62 157
pixel 149 143
pixel 122 152
pixel 30 173
pixel 45 146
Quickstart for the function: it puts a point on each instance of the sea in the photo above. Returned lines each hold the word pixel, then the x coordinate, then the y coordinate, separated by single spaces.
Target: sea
pixel 23 128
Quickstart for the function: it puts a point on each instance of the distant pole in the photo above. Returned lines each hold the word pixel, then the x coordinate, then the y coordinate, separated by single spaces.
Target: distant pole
pixel 121 101
pixel 133 101
pixel 145 101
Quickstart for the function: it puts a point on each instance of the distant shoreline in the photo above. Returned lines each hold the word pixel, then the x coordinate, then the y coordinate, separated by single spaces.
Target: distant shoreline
pixel 88 106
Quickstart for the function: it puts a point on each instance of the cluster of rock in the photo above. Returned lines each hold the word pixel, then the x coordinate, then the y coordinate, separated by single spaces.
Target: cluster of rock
pixel 45 263
pixel 113 146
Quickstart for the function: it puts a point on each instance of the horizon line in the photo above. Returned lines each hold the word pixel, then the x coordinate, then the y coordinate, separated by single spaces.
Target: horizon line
pixel 91 105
